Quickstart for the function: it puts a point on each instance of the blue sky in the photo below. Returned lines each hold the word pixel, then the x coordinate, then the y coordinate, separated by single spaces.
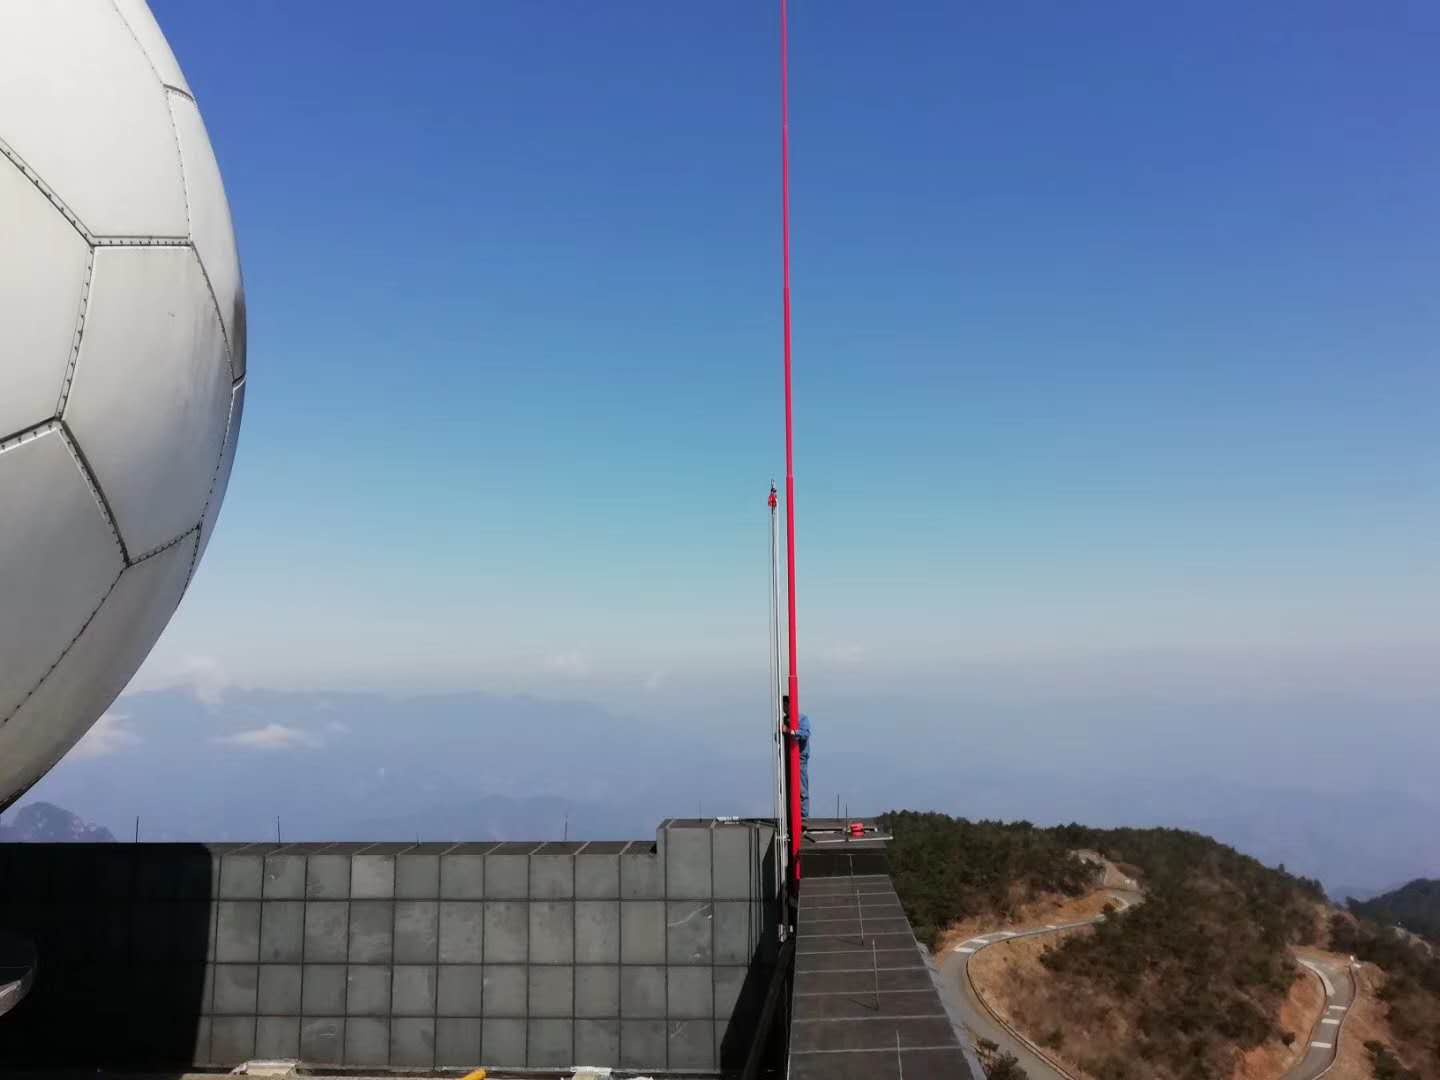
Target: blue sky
pixel 1115 333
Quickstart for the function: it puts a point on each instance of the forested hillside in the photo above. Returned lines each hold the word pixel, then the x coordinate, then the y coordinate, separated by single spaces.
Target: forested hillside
pixel 1185 981
pixel 1415 906
pixel 948 868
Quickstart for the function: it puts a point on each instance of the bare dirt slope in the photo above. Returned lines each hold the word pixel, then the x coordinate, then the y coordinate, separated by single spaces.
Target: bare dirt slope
pixel 1091 1028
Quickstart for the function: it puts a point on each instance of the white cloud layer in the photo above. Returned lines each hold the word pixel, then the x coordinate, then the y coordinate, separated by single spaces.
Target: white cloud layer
pixel 272 737
pixel 572 664
pixel 109 735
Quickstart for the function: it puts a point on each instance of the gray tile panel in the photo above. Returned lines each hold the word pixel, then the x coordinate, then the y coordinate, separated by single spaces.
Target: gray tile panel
pixel 372 877
pixel 284 877
pixel 506 932
pixel 507 877
pixel 322 1041
pixel 642 1044
pixel 413 990
pixel 642 932
pixel 462 875
pixel 282 931
pixel 460 990
pixel 597 1042
pixel 597 990
pixel 367 1041
pixel 417 931
pixel 551 1043
pixel 322 991
pixel 417 875
pixel 597 876
pixel 552 876
pixel 412 1042
pixel 597 931
pixel 372 931
pixel 503 1040
pixel 688 864
pixel 277 1037
pixel 461 931
pixel 457 1041
pixel 689 932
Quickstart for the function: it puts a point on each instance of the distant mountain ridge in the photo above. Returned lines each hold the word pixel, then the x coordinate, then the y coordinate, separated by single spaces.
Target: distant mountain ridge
pixel 46 823
pixel 1414 906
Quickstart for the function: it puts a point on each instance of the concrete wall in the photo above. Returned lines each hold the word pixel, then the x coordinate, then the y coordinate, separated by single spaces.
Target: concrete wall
pixel 651 956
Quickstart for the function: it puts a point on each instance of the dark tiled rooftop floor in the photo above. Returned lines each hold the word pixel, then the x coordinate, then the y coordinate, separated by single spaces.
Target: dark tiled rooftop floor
pixel 864 1005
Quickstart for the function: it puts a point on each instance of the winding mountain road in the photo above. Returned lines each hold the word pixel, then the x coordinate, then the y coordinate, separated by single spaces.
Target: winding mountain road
pixel 1324 1048
pixel 970 1010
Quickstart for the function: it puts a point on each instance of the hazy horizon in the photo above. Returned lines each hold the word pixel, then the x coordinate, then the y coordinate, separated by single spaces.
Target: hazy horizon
pixel 222 763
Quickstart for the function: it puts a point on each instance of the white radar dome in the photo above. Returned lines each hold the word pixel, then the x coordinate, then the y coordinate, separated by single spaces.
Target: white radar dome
pixel 122 361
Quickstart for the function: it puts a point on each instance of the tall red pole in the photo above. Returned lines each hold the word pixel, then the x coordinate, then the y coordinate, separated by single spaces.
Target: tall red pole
pixel 796 818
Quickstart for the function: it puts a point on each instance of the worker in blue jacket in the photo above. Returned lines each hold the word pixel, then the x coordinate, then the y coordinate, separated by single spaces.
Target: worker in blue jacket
pixel 802 740
pixel 803 737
